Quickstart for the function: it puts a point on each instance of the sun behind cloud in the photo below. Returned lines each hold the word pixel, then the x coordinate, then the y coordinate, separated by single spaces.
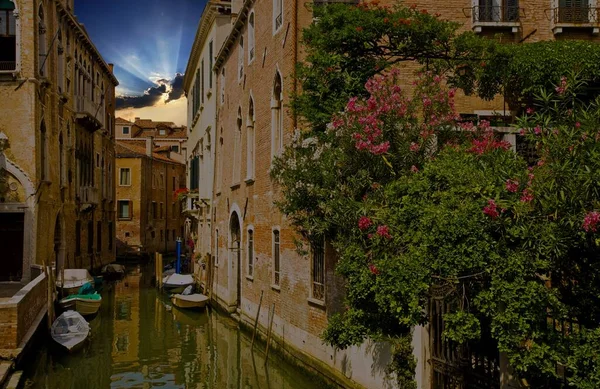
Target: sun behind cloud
pixel 174 111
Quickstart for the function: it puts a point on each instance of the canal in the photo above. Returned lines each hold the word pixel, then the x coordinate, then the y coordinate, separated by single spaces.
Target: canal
pixel 139 340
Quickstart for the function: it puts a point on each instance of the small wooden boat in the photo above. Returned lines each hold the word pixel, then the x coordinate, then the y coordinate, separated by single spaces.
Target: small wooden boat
pixel 176 283
pixel 85 304
pixel 73 280
pixel 113 271
pixel 70 330
pixel 195 300
pixel 98 283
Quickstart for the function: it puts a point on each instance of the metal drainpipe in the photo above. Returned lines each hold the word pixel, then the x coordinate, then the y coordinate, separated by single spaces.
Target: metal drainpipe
pixel 166 207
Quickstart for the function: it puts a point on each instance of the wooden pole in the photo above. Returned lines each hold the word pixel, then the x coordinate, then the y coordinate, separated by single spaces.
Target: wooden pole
pixel 160 270
pixel 272 316
pixel 256 320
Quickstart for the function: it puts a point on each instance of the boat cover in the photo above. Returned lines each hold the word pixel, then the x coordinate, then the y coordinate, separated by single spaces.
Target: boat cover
pixel 93 296
pixel 187 290
pixel 87 288
pixel 69 324
pixel 178 279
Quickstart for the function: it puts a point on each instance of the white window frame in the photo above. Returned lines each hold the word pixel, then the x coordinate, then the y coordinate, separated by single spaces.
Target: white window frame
pixel 251 42
pixel 276 274
pixel 129 205
pixel 120 176
pixel 277 4
pixel 16 15
pixel 125 130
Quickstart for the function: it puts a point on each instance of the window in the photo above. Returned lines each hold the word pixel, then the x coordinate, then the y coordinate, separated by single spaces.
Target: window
pixel 90 240
pixel 154 209
pixel 99 236
pixel 277 15
pixel 575 11
pixel 237 152
pixel 125 130
pixel 277 117
pixel 250 141
pixel 241 58
pixel 77 237
pixel 43 152
pixel 220 167
pixel 127 234
pixel 250 253
pixel 153 234
pixel 210 64
pixel 318 269
pixel 125 176
pixel 162 132
pixel 110 235
pixel 276 264
pixel 174 211
pixel 41 42
pixel 175 148
pixel 497 11
pixel 217 247
pixel 251 37
pixel 8 36
pixel 125 209
pixel 222 85
pixel 202 81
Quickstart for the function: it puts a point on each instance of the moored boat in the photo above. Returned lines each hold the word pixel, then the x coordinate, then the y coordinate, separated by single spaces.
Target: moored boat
pixel 113 271
pixel 73 280
pixel 195 300
pixel 85 304
pixel 176 283
pixel 70 330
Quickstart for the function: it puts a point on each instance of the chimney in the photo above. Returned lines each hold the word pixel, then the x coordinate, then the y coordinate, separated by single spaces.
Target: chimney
pixel 111 67
pixel 136 119
pixel 149 146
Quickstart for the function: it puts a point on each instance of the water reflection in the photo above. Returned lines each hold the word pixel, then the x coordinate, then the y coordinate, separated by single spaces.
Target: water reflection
pixel 140 341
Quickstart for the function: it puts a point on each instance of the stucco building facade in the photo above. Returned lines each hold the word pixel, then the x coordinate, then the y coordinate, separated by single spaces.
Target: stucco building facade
pixel 148 215
pixel 57 151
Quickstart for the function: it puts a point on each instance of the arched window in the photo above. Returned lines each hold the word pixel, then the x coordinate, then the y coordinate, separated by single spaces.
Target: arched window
pixel 8 36
pixel 61 62
pixel 277 116
pixel 251 37
pixel 241 58
pixel 250 141
pixel 220 157
pixel 42 54
pixel 237 148
pixel 43 153
pixel 61 160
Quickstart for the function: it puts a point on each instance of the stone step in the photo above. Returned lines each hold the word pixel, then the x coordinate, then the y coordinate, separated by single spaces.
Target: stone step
pixel 5 370
pixel 15 380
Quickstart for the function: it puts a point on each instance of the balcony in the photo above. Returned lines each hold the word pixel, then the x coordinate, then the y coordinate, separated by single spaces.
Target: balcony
pixel 89 195
pixel 496 17
pixel 89 114
pixel 575 17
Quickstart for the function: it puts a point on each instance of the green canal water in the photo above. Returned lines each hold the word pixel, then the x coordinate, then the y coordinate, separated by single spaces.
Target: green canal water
pixel 139 340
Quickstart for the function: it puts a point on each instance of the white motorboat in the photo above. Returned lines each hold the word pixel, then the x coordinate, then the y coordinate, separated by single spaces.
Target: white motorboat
pixel 73 280
pixel 70 330
pixel 176 283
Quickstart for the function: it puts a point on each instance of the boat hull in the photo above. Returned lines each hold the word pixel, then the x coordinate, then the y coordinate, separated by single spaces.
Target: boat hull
pixel 175 288
pixel 181 301
pixel 87 307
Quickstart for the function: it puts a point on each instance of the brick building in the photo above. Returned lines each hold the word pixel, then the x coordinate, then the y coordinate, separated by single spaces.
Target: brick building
pixel 252 246
pixel 166 135
pixel 57 154
pixel 148 216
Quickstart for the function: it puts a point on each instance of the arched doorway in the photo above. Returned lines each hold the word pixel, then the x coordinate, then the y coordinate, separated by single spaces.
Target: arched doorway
pixel 235 255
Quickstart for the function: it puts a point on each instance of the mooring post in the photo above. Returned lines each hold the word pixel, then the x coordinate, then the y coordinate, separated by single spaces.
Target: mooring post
pixel 256 320
pixel 178 262
pixel 272 316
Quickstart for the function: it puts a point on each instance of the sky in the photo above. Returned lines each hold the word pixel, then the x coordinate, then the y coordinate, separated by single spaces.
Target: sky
pixel 149 42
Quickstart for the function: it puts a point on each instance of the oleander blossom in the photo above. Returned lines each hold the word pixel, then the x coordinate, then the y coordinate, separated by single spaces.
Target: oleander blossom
pixel 364 222
pixel 527 196
pixel 488 142
pixel 384 231
pixel 591 221
pixel 491 209
pixel 373 269
pixel 512 186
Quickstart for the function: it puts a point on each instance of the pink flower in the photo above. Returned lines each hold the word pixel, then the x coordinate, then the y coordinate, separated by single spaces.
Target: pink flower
pixel 491 209
pixel 414 147
pixel 522 131
pixel 529 111
pixel 512 186
pixel 590 221
pixel 527 196
pixel 414 169
pixel 364 222
pixel 577 124
pixel 384 231
pixel 537 130
pixel 373 269
pixel 381 148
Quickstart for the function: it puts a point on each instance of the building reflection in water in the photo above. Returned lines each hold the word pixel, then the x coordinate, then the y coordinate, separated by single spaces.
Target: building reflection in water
pixel 140 341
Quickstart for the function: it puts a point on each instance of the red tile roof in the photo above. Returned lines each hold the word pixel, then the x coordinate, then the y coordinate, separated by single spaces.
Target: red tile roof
pixel 138 149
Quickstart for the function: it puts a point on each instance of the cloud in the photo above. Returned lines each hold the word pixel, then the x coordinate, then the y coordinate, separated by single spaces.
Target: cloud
pixel 165 89
pixel 175 112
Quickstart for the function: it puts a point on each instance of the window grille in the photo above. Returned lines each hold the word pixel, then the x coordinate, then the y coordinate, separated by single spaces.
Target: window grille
pixel 318 268
pixel 276 260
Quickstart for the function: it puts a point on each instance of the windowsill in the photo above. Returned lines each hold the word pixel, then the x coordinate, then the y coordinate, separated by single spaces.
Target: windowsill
pixel 124 218
pixel 557 28
pixel 249 181
pixel 479 26
pixel 249 278
pixel 235 186
pixel 218 193
pixel 314 301
pixel 276 288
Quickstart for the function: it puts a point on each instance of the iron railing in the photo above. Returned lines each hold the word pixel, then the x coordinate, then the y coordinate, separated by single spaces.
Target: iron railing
pixel 8 65
pixel 575 15
pixel 496 14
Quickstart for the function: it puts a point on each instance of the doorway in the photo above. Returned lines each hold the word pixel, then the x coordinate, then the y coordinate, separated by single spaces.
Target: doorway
pixel 11 241
pixel 235 255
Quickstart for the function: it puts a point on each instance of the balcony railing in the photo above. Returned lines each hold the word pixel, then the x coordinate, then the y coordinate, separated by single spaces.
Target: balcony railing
pixel 6 66
pixel 89 195
pixel 575 15
pixel 89 113
pixel 496 14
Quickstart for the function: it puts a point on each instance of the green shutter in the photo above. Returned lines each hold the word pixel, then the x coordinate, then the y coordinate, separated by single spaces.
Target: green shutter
pixel 7 4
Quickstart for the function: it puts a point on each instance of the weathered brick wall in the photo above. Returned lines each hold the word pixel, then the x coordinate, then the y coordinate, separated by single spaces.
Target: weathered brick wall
pixel 8 327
